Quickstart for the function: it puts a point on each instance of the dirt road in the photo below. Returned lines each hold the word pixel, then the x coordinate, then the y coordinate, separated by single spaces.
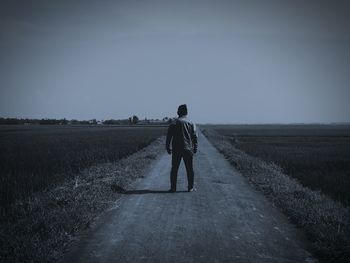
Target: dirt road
pixel 225 220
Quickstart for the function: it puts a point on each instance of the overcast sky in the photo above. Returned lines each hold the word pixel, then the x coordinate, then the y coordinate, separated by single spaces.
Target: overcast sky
pixel 229 61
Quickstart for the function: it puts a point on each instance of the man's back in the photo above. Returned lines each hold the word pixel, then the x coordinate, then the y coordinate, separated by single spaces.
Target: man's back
pixel 182 132
pixel 183 135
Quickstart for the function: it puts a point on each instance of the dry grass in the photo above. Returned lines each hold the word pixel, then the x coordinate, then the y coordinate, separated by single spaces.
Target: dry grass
pixel 34 158
pixel 39 228
pixel 318 156
pixel 326 222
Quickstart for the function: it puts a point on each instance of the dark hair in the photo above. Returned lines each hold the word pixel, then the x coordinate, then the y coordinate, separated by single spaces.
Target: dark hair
pixel 182 110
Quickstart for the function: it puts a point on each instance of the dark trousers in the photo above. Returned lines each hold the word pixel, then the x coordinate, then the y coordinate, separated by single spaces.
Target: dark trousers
pixel 175 163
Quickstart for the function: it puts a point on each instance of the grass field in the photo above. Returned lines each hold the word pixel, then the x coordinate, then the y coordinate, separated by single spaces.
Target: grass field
pixel 285 163
pixel 318 156
pixel 55 180
pixel 33 158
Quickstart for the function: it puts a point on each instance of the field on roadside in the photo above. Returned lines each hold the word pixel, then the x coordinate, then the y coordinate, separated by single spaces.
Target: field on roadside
pixel 33 158
pixel 318 156
pixel 264 155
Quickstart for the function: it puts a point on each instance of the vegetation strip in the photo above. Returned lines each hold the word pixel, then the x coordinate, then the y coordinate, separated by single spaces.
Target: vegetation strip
pixel 35 158
pixel 318 156
pixel 39 228
pixel 325 222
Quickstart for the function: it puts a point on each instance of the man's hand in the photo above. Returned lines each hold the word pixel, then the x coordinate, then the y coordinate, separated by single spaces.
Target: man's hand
pixel 168 150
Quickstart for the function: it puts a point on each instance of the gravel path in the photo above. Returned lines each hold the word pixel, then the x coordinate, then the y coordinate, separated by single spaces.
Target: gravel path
pixel 225 220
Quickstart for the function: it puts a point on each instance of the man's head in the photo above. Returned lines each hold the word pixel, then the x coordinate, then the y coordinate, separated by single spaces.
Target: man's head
pixel 182 110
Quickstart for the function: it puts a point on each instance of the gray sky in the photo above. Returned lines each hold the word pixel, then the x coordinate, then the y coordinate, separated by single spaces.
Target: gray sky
pixel 230 61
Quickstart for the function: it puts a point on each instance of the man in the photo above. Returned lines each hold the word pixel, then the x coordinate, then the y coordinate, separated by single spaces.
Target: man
pixel 183 135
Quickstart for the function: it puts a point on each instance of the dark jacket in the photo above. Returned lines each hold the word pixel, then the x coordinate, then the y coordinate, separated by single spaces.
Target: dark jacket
pixel 183 135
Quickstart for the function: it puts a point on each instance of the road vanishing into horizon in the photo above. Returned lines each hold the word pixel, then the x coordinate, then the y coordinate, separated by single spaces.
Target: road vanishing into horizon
pixel 225 220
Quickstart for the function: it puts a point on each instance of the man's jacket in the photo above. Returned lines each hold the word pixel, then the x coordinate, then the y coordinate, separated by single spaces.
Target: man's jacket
pixel 182 134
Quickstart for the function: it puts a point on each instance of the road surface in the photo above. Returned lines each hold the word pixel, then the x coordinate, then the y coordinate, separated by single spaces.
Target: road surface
pixel 225 220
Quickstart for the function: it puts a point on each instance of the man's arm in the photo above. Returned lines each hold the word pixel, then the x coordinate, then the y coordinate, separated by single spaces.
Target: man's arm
pixel 195 138
pixel 169 137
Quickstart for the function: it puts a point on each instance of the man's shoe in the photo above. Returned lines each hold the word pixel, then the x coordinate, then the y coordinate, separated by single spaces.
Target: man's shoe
pixel 192 189
pixel 171 191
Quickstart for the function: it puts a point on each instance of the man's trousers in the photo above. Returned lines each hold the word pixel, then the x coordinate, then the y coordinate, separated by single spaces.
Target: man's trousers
pixel 175 163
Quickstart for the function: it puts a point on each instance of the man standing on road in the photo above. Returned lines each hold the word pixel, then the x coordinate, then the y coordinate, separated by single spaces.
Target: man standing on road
pixel 183 137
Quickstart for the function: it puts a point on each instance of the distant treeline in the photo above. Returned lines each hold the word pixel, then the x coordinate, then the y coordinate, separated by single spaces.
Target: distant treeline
pixel 130 121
